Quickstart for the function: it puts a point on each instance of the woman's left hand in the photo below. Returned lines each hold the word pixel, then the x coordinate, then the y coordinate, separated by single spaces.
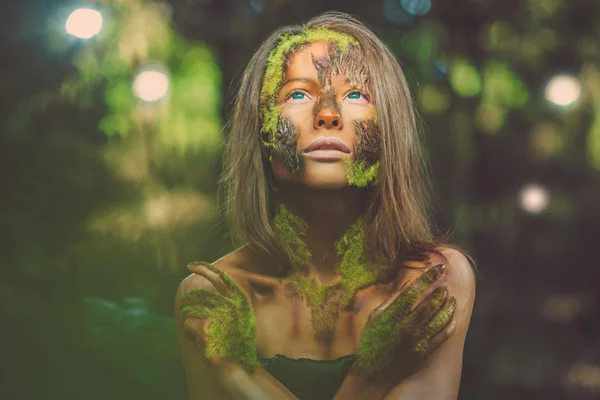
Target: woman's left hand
pixel 397 338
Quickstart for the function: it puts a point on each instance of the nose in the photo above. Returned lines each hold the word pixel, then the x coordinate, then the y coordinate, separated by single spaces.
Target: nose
pixel 328 119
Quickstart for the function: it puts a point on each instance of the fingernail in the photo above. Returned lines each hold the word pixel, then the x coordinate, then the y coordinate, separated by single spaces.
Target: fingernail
pixel 440 267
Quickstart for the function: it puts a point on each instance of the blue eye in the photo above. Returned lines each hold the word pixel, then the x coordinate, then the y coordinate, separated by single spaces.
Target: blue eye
pixel 297 96
pixel 354 95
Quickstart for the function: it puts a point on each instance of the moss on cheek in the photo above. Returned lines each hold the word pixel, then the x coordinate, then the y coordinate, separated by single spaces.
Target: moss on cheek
pixel 359 173
pixel 364 170
pixel 275 73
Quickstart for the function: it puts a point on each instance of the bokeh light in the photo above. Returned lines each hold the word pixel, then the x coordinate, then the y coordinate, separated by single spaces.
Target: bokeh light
pixel 151 85
pixel 256 5
pixel 416 7
pixel 393 11
pixel 534 198
pixel 84 23
pixel 465 78
pixel 563 90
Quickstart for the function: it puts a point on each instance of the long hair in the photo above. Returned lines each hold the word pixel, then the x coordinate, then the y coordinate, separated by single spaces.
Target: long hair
pixel 397 220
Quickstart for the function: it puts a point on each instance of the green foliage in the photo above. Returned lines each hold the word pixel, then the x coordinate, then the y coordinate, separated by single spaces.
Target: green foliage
pixel 593 143
pixel 465 78
pixel 188 119
pixel 502 86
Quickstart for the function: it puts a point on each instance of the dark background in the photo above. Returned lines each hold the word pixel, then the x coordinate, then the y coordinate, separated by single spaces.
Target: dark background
pixel 96 235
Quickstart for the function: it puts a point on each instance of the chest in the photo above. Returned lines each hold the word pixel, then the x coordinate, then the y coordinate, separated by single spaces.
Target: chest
pixel 290 325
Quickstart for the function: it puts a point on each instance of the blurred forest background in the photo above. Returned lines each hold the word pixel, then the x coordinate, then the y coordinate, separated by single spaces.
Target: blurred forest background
pixel 108 186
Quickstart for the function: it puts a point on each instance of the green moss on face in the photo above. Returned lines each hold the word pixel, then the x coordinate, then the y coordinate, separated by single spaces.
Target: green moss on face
pixel 364 170
pixel 359 174
pixel 275 72
pixel 232 331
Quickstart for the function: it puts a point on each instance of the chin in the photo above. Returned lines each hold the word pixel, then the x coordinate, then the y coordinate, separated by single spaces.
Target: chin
pixel 325 176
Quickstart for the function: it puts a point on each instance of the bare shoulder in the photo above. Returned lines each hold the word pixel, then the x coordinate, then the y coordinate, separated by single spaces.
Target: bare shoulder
pixel 459 272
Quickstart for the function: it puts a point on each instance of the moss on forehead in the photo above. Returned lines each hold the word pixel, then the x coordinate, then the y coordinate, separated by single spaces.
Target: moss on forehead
pixel 359 174
pixel 276 61
pixel 274 72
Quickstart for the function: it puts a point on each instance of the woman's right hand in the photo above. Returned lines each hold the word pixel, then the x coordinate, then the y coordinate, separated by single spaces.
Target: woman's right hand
pixel 397 339
pixel 222 319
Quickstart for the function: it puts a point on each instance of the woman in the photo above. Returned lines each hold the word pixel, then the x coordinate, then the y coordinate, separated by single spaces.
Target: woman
pixel 338 289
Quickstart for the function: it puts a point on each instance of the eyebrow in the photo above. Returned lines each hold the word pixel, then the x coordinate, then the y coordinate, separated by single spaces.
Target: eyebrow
pixel 304 80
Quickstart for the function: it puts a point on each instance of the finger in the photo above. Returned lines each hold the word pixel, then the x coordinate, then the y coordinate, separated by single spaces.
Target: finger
pixel 430 305
pixel 428 345
pixel 211 273
pixel 205 297
pixel 414 293
pixel 441 318
pixel 387 302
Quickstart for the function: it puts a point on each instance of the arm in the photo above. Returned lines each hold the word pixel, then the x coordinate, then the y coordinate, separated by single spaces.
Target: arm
pixel 212 379
pixel 439 377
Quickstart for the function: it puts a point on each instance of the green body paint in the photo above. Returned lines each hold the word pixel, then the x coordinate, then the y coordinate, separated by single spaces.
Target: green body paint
pixel 232 331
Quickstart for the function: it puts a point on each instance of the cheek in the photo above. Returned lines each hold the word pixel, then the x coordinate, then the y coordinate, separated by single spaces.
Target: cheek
pixel 300 114
pixel 358 112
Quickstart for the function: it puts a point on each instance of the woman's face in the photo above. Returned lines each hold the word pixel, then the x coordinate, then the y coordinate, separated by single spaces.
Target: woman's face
pixel 323 96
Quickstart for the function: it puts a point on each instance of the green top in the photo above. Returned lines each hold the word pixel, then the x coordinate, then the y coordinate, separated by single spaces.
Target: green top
pixel 309 379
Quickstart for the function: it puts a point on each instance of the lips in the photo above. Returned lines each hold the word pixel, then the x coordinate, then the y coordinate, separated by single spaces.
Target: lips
pixel 327 143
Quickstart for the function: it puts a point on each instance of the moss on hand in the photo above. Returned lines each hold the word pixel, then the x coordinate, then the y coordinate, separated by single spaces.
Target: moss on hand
pixel 398 340
pixel 231 333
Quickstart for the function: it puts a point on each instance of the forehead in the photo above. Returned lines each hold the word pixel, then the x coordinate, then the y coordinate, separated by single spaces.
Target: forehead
pixel 302 62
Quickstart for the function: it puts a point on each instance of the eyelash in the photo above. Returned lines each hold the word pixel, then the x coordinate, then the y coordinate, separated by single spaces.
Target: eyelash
pixel 358 91
pixel 289 96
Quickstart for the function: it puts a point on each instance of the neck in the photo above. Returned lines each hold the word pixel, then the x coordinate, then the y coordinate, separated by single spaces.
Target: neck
pixel 325 215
